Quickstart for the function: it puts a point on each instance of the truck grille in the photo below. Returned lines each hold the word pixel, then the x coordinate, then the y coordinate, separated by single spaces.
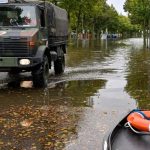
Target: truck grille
pixel 14 47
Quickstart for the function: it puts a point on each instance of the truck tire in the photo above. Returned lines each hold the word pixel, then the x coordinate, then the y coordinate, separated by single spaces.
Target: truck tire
pixel 59 65
pixel 40 76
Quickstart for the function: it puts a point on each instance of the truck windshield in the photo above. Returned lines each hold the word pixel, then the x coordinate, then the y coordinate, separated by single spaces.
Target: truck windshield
pixel 23 16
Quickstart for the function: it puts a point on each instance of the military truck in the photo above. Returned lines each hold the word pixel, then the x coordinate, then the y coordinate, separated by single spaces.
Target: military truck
pixel 33 36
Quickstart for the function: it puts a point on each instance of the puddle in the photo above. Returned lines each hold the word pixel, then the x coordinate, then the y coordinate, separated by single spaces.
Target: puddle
pixel 44 118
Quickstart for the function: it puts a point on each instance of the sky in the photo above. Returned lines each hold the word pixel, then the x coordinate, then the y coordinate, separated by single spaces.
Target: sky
pixel 118 4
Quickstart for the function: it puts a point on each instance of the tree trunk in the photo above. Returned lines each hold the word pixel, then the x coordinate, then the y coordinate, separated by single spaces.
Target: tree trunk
pixel 144 37
pixel 149 33
pixel 93 30
pixel 147 38
pixel 78 21
pixel 144 33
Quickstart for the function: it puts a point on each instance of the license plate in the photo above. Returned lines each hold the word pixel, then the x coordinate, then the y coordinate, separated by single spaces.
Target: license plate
pixel 8 62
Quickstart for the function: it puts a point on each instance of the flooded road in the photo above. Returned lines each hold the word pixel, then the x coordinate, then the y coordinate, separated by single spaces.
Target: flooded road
pixel 103 80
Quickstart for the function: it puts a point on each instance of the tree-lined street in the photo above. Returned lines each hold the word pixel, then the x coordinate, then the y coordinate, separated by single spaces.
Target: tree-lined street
pixel 104 78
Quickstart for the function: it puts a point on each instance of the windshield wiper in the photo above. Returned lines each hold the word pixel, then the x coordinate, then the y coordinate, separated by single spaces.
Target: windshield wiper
pixel 18 27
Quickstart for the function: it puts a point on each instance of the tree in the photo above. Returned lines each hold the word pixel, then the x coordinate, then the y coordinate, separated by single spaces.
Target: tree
pixel 139 13
pixel 94 16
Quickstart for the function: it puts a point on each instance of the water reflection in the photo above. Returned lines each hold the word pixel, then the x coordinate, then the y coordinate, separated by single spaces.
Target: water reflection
pixel 138 77
pixel 43 118
pixel 71 92
pixel 91 52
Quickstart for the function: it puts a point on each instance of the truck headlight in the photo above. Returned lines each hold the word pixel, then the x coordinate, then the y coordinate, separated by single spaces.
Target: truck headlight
pixel 24 61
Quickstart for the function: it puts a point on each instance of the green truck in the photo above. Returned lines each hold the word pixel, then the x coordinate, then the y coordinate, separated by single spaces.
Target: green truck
pixel 33 34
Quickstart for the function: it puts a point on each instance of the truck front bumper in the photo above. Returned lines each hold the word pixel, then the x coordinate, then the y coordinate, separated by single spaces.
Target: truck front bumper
pixel 9 63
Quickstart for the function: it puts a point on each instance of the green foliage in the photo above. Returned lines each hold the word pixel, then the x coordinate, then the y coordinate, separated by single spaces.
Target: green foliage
pixel 94 15
pixel 139 13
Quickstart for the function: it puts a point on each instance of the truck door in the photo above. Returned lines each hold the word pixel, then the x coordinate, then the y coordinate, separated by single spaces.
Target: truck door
pixel 43 28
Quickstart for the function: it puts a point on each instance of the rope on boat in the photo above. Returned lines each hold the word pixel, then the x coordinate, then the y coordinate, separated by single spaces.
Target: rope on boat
pixel 128 125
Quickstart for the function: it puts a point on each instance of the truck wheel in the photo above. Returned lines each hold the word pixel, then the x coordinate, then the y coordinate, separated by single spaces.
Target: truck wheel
pixel 59 65
pixel 40 76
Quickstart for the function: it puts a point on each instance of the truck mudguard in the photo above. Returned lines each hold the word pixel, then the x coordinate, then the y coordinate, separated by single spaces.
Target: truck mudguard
pixel 40 52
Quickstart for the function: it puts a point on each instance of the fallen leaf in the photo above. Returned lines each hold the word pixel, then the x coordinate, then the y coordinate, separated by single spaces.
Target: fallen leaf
pixel 26 123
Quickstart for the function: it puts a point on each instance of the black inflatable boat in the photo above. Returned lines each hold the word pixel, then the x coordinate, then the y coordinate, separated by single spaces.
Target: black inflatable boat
pixel 122 137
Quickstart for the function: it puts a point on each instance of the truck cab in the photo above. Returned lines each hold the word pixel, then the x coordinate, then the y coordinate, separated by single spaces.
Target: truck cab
pixel 32 35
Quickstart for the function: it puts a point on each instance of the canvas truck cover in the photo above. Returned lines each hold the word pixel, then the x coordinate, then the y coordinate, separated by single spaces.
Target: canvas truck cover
pixel 57 20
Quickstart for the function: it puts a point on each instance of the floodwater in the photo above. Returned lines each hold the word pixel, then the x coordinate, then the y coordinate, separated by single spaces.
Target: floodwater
pixel 103 81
